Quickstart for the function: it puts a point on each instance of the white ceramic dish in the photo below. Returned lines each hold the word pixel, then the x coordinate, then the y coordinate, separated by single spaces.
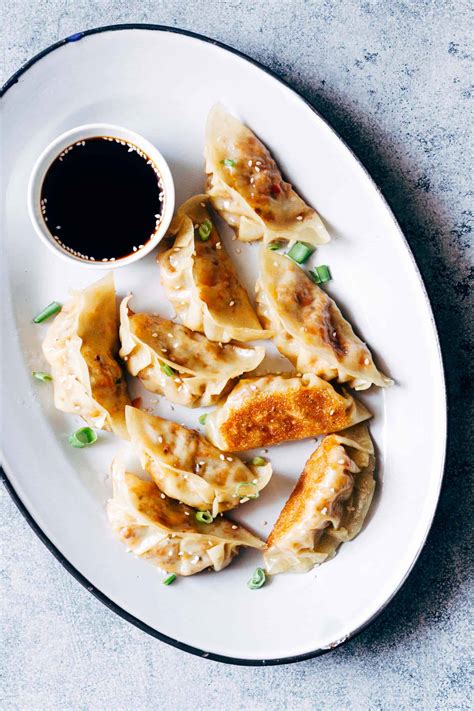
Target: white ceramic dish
pixel 52 151
pixel 119 77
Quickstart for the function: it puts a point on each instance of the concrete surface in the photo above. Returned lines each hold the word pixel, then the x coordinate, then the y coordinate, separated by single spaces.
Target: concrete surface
pixel 393 77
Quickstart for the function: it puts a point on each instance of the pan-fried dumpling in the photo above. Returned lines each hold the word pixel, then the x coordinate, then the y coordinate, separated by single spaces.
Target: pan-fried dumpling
pixel 185 466
pixel 181 364
pixel 267 410
pixel 310 330
pixel 81 346
pixel 201 281
pixel 328 505
pixel 167 533
pixel 247 189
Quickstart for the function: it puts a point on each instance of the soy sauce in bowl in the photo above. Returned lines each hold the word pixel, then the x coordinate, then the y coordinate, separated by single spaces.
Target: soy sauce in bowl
pixel 102 199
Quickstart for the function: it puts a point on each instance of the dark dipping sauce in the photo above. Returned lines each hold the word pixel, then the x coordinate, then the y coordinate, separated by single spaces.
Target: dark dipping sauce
pixel 102 199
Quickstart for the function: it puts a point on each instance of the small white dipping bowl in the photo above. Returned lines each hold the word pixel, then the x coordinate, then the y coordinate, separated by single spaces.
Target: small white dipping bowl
pixel 55 148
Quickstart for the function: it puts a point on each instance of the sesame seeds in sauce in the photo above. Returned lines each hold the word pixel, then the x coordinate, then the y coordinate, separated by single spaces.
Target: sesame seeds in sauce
pixel 106 201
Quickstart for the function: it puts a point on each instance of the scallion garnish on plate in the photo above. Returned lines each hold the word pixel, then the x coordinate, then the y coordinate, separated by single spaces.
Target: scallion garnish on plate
pixel 320 274
pixel 167 370
pixel 229 162
pixel 244 485
pixel 51 310
pixel 273 246
pixel 83 437
pixel 45 377
pixel 204 517
pixel 300 252
pixel 258 461
pixel 257 580
pixel 205 230
pixel 170 579
pixel 202 419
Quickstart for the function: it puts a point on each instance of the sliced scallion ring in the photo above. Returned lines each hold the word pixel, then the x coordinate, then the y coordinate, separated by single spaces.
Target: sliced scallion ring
pixel 167 370
pixel 323 273
pixel 300 252
pixel 202 419
pixel 257 580
pixel 229 162
pixel 204 517
pixel 170 579
pixel 273 246
pixel 244 494
pixel 205 230
pixel 51 310
pixel 258 461
pixel 45 377
pixel 314 276
pixel 82 437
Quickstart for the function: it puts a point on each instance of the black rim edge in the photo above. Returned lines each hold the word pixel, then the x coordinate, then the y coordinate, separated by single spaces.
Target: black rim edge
pixel 30 519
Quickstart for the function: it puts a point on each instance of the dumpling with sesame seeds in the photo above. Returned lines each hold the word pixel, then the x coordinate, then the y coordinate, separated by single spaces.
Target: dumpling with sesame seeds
pixel 167 533
pixel 183 365
pixel 270 409
pixel 310 329
pixel 81 346
pixel 247 189
pixel 201 281
pixel 187 467
pixel 328 506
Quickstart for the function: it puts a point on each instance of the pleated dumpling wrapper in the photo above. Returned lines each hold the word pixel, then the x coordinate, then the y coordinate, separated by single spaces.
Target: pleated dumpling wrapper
pixel 270 409
pixel 328 505
pixel 185 466
pixel 181 364
pixel 201 281
pixel 167 533
pixel 246 187
pixel 81 346
pixel 310 330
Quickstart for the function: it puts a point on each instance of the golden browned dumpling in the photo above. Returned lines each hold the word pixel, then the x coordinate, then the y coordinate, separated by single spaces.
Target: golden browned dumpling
pixel 181 364
pixel 278 408
pixel 310 330
pixel 81 346
pixel 187 467
pixel 246 187
pixel 201 281
pixel 328 505
pixel 167 533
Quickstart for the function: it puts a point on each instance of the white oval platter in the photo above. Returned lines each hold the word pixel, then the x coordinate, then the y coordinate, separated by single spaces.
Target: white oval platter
pixel 161 83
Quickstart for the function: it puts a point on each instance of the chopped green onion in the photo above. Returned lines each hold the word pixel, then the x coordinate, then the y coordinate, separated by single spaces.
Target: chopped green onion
pixel 300 252
pixel 45 377
pixel 314 276
pixel 257 580
pixel 258 461
pixel 50 310
pixel 243 485
pixel 170 579
pixel 204 517
pixel 202 419
pixel 82 437
pixel 167 370
pixel 273 246
pixel 229 162
pixel 205 230
pixel 323 273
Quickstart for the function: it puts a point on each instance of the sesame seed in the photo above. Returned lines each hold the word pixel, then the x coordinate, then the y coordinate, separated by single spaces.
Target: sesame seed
pixel 331 412
pixel 341 461
pixel 238 251
pixel 366 361
pixel 163 496
pixel 253 387
pixel 155 335
pixel 170 553
pixel 229 459
pixel 299 218
pixel 231 303
pixel 180 553
pixel 234 528
pixel 160 439
pixel 221 456
pixel 186 513
pixel 324 510
pixel 218 245
pixel 164 350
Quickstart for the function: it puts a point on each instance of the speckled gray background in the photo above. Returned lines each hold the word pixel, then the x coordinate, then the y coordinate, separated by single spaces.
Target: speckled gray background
pixel 395 79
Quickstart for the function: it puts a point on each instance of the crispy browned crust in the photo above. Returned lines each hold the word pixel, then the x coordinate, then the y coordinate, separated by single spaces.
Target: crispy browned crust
pixel 293 510
pixel 266 419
